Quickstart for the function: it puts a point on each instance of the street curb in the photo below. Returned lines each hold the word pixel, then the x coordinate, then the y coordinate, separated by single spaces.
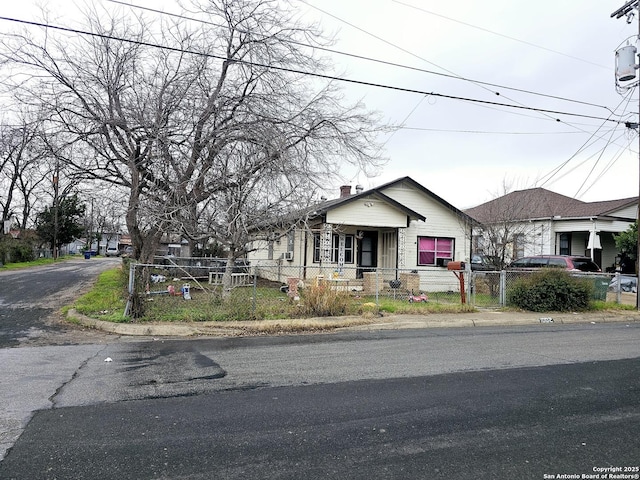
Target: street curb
pixel 222 329
pixel 327 324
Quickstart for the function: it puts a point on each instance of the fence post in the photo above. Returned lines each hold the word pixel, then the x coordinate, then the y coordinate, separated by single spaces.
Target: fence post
pixel 377 289
pixel 503 288
pixel 619 289
pixel 132 272
pixel 255 290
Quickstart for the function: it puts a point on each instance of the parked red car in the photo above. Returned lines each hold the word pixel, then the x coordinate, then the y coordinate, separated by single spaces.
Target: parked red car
pixel 567 262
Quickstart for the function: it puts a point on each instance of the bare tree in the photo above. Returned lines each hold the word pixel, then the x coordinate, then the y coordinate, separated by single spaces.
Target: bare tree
pixel 23 170
pixel 165 110
pixel 505 228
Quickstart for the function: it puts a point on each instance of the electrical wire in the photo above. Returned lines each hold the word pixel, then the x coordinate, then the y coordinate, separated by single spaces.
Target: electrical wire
pixel 311 74
pixel 595 164
pixel 611 163
pixel 377 37
pixel 499 34
pixel 549 176
pixel 545 114
pixel 375 60
pixel 486 132
pixel 486 84
pixel 406 51
pixel 567 172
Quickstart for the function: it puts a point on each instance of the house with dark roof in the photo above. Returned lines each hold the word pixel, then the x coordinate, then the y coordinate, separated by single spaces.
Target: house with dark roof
pixel 543 222
pixel 398 225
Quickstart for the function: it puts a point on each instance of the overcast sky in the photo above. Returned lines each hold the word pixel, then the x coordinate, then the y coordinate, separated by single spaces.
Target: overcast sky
pixel 465 151
pixel 542 55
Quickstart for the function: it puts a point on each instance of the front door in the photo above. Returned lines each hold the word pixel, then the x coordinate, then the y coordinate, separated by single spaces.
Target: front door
pixel 367 252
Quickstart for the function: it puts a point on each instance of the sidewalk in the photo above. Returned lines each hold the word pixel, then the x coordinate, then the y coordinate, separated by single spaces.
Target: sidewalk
pixel 484 318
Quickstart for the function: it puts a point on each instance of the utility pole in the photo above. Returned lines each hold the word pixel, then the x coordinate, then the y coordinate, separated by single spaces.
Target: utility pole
pixel 631 66
pixel 56 177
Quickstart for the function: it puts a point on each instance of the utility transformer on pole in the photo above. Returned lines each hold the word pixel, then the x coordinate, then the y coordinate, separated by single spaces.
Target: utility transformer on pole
pixel 626 78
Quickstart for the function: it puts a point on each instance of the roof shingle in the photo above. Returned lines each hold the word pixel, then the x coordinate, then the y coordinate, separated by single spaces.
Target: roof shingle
pixel 536 203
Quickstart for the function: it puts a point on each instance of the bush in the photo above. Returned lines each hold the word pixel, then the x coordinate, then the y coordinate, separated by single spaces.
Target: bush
pixel 551 290
pixel 15 251
pixel 323 301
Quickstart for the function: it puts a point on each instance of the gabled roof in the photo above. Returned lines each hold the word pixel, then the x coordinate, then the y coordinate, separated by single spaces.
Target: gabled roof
pixel 322 208
pixel 535 203
pixel 325 206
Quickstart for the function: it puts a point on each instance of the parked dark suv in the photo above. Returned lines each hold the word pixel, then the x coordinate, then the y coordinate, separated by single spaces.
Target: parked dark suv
pixel 568 262
pixel 483 263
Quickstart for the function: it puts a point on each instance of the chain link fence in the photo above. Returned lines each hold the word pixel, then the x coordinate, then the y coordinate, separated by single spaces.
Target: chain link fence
pixel 490 289
pixel 275 289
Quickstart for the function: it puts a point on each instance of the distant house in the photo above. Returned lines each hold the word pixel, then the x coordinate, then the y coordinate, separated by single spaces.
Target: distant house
pixel 548 223
pixel 400 225
pixel 173 245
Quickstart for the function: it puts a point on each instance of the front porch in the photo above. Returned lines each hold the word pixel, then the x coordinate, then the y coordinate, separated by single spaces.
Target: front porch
pixel 600 246
pixel 351 251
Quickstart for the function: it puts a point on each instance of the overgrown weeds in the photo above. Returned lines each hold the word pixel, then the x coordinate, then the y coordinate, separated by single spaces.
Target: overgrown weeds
pixel 324 301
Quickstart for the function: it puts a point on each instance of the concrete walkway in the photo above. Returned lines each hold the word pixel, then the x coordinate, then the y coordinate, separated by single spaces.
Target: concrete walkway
pixel 484 318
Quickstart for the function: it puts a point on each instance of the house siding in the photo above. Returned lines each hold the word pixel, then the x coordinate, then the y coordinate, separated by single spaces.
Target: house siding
pixel 630 212
pixel 568 226
pixel 440 222
pixel 373 213
pixel 369 212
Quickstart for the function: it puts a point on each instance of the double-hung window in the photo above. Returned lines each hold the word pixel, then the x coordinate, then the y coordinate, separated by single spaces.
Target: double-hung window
pixel 430 249
pixel 335 248
pixel 565 244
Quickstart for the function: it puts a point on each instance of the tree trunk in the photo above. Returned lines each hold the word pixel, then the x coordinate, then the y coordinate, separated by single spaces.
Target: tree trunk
pixel 226 277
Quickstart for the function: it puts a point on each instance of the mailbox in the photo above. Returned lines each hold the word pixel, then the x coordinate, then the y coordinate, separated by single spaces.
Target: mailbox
pixel 455 266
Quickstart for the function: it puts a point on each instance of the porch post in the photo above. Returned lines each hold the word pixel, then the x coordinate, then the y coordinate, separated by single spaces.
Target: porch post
pixel 326 244
pixel 402 237
pixel 341 247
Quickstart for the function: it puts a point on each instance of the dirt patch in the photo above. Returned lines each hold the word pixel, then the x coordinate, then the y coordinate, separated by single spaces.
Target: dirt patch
pixel 625 298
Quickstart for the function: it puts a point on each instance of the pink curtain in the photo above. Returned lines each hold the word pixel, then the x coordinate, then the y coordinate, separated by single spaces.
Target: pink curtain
pixel 430 248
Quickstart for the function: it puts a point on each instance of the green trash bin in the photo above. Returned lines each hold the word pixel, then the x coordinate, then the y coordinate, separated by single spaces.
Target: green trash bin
pixel 600 287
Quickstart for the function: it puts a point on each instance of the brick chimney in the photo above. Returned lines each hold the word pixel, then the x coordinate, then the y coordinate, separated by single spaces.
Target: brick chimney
pixel 345 191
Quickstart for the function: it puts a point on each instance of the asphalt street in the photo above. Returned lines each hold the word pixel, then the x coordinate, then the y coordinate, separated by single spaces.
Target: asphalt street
pixel 30 298
pixel 495 424
pixel 517 399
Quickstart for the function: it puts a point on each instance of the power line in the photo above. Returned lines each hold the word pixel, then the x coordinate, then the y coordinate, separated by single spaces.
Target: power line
pixel 498 34
pixel 545 114
pixel 609 165
pixel 454 76
pixel 595 164
pixel 486 132
pixel 599 158
pixel 375 60
pixel 478 83
pixel 311 74
pixel 549 176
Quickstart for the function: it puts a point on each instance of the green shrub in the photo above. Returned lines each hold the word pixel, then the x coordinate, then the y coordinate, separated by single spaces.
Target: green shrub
pixel 323 301
pixel 15 251
pixel 550 290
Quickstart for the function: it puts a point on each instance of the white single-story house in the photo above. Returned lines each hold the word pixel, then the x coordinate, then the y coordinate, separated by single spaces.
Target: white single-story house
pixel 548 223
pixel 400 227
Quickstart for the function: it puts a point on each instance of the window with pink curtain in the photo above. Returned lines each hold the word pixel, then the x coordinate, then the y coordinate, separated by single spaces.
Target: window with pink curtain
pixel 432 248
